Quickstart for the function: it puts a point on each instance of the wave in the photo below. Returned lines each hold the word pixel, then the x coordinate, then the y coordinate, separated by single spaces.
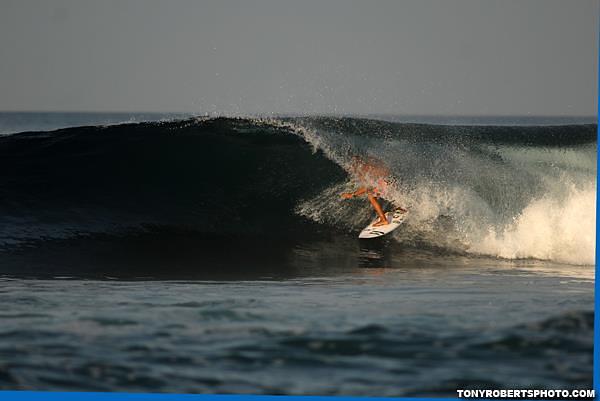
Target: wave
pixel 502 191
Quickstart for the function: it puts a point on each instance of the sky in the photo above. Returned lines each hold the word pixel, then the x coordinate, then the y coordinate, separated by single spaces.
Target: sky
pixel 419 57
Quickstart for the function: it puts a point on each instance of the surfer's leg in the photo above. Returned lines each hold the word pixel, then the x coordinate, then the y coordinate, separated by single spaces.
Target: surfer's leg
pixel 382 219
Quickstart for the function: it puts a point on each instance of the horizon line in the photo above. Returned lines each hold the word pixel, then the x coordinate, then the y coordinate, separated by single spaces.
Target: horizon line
pixel 224 114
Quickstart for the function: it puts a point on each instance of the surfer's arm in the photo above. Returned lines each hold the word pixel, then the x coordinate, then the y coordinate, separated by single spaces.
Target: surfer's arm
pixel 358 192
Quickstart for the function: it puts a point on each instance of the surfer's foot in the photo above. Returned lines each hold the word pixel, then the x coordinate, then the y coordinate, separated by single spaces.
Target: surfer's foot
pixel 381 223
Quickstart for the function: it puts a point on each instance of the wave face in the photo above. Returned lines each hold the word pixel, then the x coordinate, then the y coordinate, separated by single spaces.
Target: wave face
pixel 502 191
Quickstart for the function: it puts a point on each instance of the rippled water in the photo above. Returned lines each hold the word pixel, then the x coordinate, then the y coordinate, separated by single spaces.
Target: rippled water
pixel 428 328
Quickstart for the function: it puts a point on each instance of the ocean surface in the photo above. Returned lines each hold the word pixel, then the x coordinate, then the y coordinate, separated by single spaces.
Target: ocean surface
pixel 173 253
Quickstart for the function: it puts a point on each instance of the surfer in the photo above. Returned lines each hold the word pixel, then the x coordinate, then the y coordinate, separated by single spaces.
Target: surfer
pixel 368 171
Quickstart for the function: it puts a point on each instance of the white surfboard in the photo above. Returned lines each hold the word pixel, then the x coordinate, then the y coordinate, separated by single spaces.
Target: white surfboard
pixel 394 219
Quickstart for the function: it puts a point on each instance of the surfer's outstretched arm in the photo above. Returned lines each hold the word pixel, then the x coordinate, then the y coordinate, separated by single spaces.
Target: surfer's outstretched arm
pixel 358 192
pixel 372 199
